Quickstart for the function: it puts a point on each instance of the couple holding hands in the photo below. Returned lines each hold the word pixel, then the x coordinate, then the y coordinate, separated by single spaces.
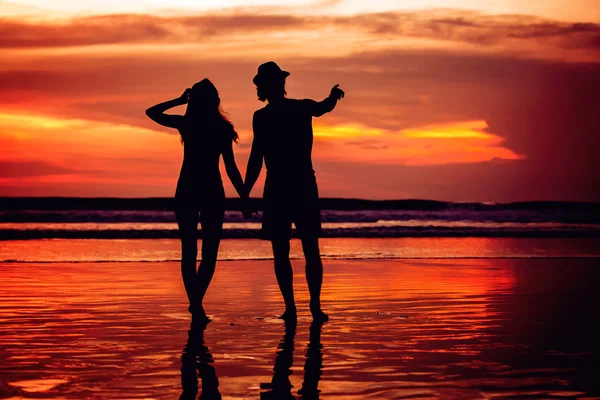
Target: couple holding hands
pixel 283 138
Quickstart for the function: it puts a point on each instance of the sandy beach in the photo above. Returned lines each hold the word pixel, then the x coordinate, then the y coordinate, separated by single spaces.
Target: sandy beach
pixel 461 328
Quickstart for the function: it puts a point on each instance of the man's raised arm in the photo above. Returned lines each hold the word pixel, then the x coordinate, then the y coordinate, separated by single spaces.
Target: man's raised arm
pixel 322 107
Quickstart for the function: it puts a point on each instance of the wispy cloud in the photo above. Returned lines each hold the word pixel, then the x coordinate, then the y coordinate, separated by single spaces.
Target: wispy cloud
pixel 386 28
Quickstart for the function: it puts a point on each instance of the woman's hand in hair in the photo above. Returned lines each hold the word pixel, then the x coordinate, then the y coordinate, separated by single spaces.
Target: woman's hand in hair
pixel 185 97
pixel 157 112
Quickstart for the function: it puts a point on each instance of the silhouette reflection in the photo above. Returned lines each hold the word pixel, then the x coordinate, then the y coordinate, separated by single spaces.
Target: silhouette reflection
pixel 196 361
pixel 313 366
pixel 280 386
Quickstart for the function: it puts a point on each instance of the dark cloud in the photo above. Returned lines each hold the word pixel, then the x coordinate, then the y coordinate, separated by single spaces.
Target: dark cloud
pixel 368 144
pixel 476 28
pixel 134 28
pixel 460 26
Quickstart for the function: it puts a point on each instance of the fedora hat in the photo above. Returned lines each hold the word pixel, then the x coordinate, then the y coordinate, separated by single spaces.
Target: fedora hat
pixel 269 71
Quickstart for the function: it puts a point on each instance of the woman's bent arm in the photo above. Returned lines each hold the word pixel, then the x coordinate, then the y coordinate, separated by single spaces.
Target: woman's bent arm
pixel 157 113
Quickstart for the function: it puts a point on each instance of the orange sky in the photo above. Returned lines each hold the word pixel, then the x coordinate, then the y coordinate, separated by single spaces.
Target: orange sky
pixel 445 100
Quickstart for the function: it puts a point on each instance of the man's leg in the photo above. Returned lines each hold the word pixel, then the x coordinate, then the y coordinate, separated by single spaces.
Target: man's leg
pixel 285 275
pixel 314 274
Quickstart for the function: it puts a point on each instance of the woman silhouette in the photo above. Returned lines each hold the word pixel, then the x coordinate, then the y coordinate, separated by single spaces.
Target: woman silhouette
pixel 206 134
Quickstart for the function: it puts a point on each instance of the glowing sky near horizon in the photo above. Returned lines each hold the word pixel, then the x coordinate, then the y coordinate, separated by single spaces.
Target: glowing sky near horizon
pixel 455 100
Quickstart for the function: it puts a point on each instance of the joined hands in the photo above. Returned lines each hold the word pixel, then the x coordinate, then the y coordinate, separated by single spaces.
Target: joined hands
pixel 246 208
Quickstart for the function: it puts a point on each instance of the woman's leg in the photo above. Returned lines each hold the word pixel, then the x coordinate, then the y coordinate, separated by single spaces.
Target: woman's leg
pixel 211 220
pixel 187 220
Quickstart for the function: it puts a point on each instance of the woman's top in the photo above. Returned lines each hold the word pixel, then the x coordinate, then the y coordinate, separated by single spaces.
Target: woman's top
pixel 200 178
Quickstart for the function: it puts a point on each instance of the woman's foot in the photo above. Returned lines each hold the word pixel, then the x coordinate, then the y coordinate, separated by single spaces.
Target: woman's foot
pixel 198 315
pixel 200 322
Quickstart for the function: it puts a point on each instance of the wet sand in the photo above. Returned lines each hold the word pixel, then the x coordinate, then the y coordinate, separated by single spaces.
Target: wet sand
pixel 461 328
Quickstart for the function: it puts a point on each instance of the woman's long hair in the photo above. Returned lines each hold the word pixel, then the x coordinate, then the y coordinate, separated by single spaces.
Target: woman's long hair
pixel 205 105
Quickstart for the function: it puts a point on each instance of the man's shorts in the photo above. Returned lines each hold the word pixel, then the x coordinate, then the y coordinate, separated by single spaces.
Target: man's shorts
pixel 284 206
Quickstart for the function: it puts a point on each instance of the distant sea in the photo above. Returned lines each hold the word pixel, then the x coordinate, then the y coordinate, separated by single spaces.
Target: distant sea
pixel 152 218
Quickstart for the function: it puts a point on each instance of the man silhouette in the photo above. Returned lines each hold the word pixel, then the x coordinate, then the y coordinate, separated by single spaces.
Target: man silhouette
pixel 283 136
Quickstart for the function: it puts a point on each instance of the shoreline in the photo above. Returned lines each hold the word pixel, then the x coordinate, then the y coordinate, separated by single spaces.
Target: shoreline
pixel 302 258
pixel 8 235
pixel 233 203
pixel 169 250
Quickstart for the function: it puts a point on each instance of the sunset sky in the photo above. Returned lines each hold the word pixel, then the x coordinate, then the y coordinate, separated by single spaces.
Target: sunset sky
pixel 464 100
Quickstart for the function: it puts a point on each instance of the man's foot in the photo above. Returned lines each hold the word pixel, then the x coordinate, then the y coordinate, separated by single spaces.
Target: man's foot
pixel 289 315
pixel 319 316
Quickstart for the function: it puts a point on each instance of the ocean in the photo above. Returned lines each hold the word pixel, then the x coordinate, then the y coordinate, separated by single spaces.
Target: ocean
pixel 85 229
pixel 152 219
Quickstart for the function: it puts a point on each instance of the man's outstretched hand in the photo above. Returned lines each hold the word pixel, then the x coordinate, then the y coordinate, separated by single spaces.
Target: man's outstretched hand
pixel 337 93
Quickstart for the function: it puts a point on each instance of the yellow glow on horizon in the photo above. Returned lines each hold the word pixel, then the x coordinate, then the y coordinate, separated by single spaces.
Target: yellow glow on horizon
pixel 121 154
pixel 345 131
pixel 457 142
pixel 463 130
pixel 37 121
pixel 79 144
pixel 43 122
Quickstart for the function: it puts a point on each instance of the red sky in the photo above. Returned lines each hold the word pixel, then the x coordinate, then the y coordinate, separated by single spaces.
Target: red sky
pixel 449 100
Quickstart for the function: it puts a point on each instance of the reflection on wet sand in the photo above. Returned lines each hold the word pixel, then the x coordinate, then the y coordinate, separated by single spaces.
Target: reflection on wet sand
pixel 313 366
pixel 196 362
pixel 409 329
pixel 280 386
